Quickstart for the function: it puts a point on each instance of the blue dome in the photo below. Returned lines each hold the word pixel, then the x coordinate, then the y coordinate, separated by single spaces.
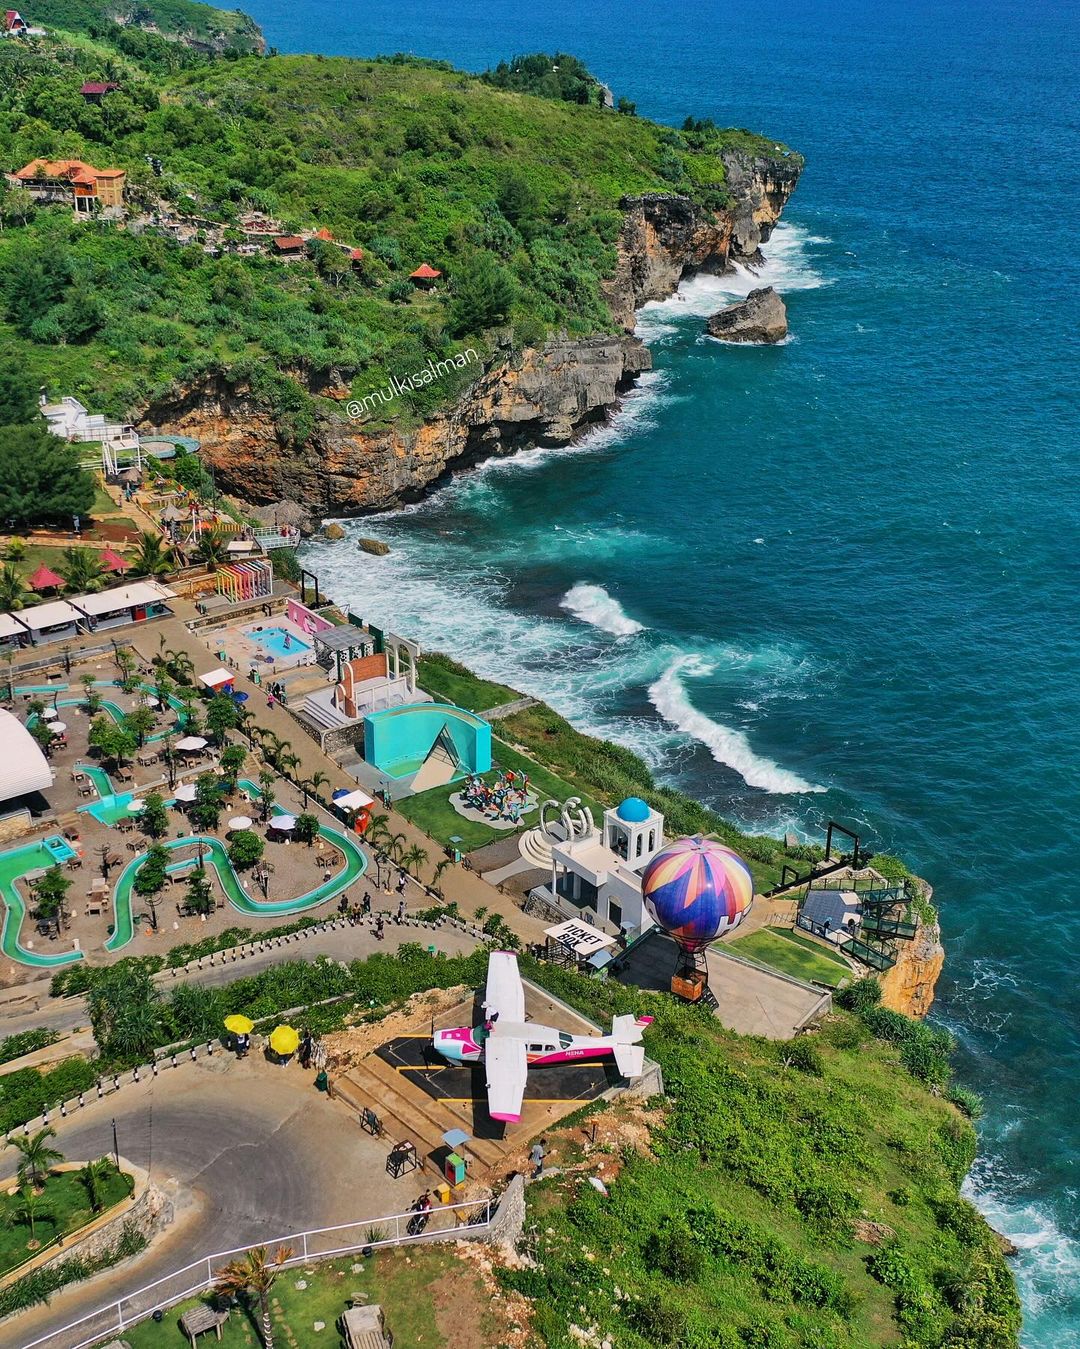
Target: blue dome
pixel 633 810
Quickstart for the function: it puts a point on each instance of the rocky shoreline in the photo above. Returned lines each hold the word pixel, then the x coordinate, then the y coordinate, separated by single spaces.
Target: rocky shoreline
pixel 539 396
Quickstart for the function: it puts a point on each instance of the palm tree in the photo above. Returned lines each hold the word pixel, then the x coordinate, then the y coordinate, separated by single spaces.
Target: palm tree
pixel 12 589
pixel 29 1210
pixel 154 556
pixel 287 764
pixel 180 665
pixel 93 1177
pixel 244 724
pixel 15 550
pixel 9 661
pixel 81 570
pixel 253 1277
pixel 311 786
pixel 414 859
pixel 38 1158
pixel 394 845
pixel 212 549
pixel 436 875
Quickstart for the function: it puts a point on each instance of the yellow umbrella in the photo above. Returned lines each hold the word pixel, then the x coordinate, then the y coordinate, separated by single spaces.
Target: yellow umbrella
pixel 284 1040
pixel 239 1024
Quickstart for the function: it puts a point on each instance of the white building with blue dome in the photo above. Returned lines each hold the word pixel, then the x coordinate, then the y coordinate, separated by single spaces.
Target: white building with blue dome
pixel 597 876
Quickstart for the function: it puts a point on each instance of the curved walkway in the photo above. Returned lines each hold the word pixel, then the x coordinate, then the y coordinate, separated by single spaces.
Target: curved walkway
pixel 218 861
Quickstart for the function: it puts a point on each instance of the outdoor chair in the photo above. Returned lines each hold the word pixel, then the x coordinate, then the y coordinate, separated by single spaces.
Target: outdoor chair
pixel 402 1159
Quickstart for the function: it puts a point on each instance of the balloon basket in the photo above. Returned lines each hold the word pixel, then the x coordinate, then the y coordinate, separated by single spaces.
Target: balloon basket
pixel 690 982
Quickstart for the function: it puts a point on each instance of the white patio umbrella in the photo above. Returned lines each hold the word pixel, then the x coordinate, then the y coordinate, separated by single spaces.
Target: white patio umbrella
pixel 151 701
pixel 185 792
pixel 191 742
pixel 240 822
pixel 136 805
pixel 57 727
pixel 283 822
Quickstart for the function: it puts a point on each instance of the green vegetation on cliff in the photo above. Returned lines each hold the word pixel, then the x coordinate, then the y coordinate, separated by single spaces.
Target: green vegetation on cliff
pixel 514 198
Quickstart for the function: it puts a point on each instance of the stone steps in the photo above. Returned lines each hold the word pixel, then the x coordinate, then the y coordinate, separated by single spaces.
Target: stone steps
pixel 407 1112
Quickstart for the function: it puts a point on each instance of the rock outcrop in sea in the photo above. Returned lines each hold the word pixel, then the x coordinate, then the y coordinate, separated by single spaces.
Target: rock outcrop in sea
pixel 761 317
pixel 537 396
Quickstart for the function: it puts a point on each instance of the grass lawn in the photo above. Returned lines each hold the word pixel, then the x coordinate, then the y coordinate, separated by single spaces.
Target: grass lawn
pixel 445 679
pixel 432 812
pixel 784 951
pixel 66 1197
pixel 430 1298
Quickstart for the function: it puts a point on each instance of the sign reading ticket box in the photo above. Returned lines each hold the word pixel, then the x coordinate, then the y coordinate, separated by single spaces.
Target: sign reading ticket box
pixel 579 937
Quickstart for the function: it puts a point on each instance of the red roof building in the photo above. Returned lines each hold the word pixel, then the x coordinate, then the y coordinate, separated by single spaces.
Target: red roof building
pixel 95 90
pixel 14 22
pixel 425 276
pixel 72 179
pixel 44 579
pixel 111 561
pixel 325 235
pixel 288 243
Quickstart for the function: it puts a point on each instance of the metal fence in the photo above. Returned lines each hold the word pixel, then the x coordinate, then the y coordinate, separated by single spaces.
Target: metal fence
pixel 368 1234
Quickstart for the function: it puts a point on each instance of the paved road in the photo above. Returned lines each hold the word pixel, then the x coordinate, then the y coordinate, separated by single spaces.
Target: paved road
pixel 351 943
pixel 246 1151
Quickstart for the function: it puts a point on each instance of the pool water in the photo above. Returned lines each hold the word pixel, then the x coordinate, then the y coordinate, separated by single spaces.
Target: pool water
pixel 272 641
pixel 16 863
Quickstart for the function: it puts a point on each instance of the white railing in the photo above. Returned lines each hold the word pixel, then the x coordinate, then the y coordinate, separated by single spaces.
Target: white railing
pixel 322 1243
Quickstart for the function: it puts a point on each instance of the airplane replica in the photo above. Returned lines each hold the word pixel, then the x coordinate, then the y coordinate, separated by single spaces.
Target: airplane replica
pixel 509 1046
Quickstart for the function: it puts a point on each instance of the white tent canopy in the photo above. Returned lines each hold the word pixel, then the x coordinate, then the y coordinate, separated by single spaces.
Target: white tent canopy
pixel 191 743
pixel 355 800
pixel 185 792
pixel 23 767
pixel 214 679
pixel 283 822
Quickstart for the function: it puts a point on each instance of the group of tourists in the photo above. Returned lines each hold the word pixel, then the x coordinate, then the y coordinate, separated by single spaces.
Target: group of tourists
pixel 505 799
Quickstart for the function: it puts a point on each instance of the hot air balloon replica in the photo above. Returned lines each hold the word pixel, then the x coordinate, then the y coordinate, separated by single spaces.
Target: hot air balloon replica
pixel 695 890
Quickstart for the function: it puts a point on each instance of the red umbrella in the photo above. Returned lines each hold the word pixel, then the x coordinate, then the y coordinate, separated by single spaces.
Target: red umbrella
pixel 44 579
pixel 113 561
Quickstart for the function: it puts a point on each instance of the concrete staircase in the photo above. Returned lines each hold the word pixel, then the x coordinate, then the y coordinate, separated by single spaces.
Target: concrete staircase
pixel 408 1112
pixel 322 714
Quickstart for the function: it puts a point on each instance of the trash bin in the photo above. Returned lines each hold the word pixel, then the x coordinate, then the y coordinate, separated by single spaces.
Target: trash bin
pixel 322 1082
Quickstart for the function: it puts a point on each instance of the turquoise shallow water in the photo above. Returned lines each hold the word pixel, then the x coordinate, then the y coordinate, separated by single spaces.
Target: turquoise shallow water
pixel 835 578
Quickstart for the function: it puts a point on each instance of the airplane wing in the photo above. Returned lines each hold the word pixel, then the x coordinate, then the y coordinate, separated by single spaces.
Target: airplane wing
pixel 504 996
pixel 507 1069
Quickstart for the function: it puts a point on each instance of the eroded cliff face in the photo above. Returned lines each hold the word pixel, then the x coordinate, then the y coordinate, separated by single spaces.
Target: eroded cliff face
pixel 909 986
pixel 539 396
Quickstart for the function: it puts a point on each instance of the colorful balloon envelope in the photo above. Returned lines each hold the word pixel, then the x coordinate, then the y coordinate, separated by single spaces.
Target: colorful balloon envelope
pixel 696 889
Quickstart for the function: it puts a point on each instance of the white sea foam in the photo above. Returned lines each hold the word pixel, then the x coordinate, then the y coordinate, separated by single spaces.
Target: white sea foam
pixel 728 746
pixel 592 604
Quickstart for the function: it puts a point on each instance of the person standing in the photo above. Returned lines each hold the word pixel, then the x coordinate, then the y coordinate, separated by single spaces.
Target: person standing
pixel 537 1155
pixel 401 909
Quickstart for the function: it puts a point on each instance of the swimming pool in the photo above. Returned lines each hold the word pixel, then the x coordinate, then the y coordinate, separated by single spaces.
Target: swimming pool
pixel 14 866
pixel 273 641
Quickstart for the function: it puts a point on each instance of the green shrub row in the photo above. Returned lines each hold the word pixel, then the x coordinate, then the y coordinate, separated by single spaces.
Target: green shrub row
pixel 40 1285
pixel 27 1092
pixel 26 1042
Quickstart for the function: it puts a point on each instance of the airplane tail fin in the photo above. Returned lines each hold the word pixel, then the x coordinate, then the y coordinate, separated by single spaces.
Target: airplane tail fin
pixel 626 1032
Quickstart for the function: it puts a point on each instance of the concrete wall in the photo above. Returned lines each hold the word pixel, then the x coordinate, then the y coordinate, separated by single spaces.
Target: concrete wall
pixel 402 733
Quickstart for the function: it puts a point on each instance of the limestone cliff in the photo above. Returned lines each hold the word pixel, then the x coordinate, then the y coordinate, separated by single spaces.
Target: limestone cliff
pixel 909 986
pixel 538 396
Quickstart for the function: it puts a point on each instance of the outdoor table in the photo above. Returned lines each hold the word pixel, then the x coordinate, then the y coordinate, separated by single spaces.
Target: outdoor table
pixel 402 1158
pixel 200 1319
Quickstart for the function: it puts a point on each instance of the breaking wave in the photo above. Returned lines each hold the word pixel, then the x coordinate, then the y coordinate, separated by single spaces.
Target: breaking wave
pixel 592 604
pixel 727 746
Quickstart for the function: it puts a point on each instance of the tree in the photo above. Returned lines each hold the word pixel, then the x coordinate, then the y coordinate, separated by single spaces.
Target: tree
pixel 231 763
pixel 42 735
pixel 221 717
pixel 253 1277
pixel 179 665
pixel 151 876
pixel 37 1156
pixel 484 293
pixel 246 848
pixel 111 741
pixel 81 569
pixel 200 895
pixel 12 588
pixel 50 892
pixel 154 816
pixel 212 549
pixel 267 796
pixel 437 874
pixel 518 201
pixel 93 694
pixel 154 556
pixel 29 1210
pixel 414 859
pixel 40 478
pixel 311 786
pixel 124 1011
pixel 306 829
pixel 93 1177
pixel 139 723
pixel 128 665
pixel 206 808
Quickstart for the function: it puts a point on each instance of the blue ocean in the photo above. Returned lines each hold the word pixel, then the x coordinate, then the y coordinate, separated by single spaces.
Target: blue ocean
pixel 837 578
